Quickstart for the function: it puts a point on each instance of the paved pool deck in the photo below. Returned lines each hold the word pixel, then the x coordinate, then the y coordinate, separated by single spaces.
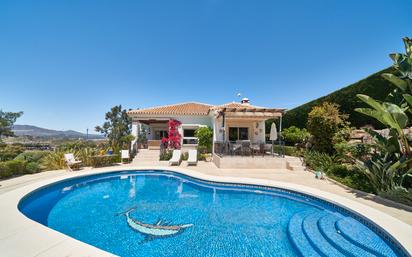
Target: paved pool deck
pixel 20 236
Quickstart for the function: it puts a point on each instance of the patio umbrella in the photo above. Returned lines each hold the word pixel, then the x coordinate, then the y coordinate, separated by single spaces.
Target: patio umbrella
pixel 273 134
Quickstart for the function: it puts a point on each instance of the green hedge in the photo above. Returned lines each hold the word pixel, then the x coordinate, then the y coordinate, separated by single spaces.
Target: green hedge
pixel 374 86
pixel 105 160
pixel 32 156
pixel 12 168
pixel 289 150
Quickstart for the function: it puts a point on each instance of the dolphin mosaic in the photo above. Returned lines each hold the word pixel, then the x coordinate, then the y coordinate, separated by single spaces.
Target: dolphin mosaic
pixel 152 231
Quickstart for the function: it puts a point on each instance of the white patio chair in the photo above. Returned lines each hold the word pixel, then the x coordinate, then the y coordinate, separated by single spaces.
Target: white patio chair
pixel 176 157
pixel 71 161
pixel 125 155
pixel 192 160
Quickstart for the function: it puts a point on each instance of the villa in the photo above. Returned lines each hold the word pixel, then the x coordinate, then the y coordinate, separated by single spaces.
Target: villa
pixel 231 122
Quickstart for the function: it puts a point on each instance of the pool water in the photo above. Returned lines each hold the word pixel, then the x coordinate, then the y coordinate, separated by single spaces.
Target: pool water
pixel 160 213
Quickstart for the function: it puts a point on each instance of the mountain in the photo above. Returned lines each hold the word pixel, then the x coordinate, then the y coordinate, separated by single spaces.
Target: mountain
pixel 374 85
pixel 29 130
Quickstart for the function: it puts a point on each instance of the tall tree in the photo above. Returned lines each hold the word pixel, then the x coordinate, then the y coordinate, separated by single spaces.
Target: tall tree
pixel 117 127
pixel 7 119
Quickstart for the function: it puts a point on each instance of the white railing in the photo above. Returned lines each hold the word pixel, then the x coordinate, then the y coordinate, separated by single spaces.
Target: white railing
pixel 190 140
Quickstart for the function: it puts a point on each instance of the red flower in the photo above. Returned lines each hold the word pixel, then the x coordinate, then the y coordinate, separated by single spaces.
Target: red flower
pixel 174 136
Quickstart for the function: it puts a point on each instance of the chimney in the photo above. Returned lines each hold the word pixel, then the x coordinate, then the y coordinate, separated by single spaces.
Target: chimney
pixel 245 101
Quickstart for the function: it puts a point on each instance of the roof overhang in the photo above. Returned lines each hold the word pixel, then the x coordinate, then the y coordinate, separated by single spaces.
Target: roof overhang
pixel 250 112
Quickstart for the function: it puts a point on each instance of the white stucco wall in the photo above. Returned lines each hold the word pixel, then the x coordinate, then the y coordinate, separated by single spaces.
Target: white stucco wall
pixel 194 120
pixel 259 132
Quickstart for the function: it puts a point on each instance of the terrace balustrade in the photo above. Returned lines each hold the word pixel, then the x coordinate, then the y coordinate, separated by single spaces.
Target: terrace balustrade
pixel 244 148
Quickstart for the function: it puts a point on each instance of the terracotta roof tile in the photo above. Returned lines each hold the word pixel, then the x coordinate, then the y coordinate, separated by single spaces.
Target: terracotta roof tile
pixel 191 108
pixel 237 105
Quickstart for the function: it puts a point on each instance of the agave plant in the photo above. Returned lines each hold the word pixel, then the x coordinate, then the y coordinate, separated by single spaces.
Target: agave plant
pixel 385 171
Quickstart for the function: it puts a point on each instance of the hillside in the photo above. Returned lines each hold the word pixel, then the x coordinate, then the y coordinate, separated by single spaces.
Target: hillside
pixel 33 131
pixel 374 86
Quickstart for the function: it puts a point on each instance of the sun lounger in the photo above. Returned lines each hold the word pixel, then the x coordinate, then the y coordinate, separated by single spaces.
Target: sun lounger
pixel 71 161
pixel 192 160
pixel 176 157
pixel 125 155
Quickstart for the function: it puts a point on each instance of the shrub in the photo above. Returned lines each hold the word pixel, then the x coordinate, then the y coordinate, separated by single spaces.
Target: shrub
pixel 4 170
pixel 9 152
pixel 106 160
pixel 342 135
pixel 76 145
pixel 339 170
pixel 185 156
pixel 54 161
pixel 324 122
pixel 86 155
pixel 205 137
pixel 356 150
pixel 352 179
pixel 202 156
pixel 289 150
pixel 319 161
pixel 399 195
pixel 12 168
pixel 165 155
pixel 294 135
pixel 33 167
pixel 345 174
pixel 32 156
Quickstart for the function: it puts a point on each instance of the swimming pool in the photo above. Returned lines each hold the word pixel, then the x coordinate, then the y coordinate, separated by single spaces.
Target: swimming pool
pixel 162 213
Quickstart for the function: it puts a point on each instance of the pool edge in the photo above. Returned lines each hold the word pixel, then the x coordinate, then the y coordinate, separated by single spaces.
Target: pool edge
pixel 9 201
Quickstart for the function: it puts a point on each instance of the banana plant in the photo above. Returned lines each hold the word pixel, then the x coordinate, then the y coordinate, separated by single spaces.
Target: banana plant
pixel 390 115
pixel 386 168
pixel 403 64
pixel 389 144
pixel 391 162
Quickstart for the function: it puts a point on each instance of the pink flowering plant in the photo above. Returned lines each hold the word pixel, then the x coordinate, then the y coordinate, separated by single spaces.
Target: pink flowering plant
pixel 174 137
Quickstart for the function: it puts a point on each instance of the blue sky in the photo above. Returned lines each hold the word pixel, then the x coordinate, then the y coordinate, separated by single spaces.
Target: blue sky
pixel 65 63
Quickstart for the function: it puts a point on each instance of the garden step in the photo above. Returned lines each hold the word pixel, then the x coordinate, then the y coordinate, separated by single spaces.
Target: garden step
pixel 146 156
pixel 298 238
pixel 315 237
pixel 362 236
pixel 327 227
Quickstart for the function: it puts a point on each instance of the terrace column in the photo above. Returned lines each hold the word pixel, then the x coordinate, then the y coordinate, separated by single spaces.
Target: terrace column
pixel 135 133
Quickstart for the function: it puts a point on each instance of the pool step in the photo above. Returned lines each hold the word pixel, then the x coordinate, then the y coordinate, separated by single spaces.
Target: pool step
pixel 315 237
pixel 326 226
pixel 363 237
pixel 298 238
pixel 322 233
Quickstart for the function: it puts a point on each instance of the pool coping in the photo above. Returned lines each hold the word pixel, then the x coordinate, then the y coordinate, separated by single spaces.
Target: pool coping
pixel 41 241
